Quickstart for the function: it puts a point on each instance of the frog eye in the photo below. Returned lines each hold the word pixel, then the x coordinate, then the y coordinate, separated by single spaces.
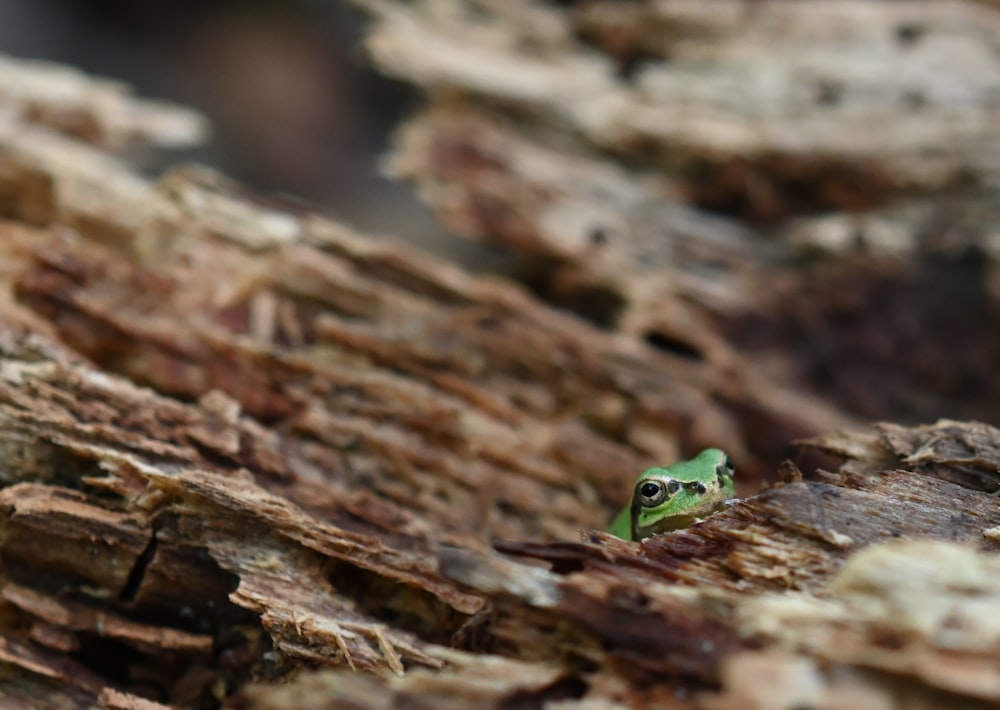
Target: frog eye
pixel 651 493
pixel 725 469
pixel 724 472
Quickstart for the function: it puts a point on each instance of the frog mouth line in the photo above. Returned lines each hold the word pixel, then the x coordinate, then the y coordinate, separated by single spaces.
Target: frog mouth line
pixel 671 523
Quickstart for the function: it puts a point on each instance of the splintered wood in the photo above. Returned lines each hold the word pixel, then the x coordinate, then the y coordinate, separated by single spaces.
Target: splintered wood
pixel 250 458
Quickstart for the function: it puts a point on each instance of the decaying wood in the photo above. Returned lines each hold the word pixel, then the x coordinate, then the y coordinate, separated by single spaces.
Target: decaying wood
pixel 240 442
pixel 770 186
pixel 99 112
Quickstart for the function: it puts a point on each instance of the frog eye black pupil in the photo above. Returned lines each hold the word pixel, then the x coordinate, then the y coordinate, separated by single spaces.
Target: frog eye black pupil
pixel 729 463
pixel 649 490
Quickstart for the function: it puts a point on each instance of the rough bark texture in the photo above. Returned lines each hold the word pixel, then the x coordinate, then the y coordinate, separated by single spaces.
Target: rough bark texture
pixel 240 442
pixel 808 188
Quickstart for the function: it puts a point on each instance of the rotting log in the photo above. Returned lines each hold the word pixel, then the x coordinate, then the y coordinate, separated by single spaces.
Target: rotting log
pixel 802 189
pixel 239 442
pixel 117 543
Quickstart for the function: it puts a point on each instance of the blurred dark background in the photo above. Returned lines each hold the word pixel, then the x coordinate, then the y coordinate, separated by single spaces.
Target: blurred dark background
pixel 294 105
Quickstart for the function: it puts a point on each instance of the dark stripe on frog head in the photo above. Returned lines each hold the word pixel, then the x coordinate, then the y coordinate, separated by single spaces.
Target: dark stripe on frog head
pixel 695 486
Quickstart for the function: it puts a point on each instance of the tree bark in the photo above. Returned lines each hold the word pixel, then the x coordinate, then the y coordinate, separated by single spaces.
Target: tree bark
pixel 252 458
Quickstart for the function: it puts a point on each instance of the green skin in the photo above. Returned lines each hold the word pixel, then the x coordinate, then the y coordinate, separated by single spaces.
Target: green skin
pixel 676 496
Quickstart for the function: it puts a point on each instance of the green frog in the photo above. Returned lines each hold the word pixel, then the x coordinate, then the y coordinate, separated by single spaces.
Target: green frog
pixel 677 496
